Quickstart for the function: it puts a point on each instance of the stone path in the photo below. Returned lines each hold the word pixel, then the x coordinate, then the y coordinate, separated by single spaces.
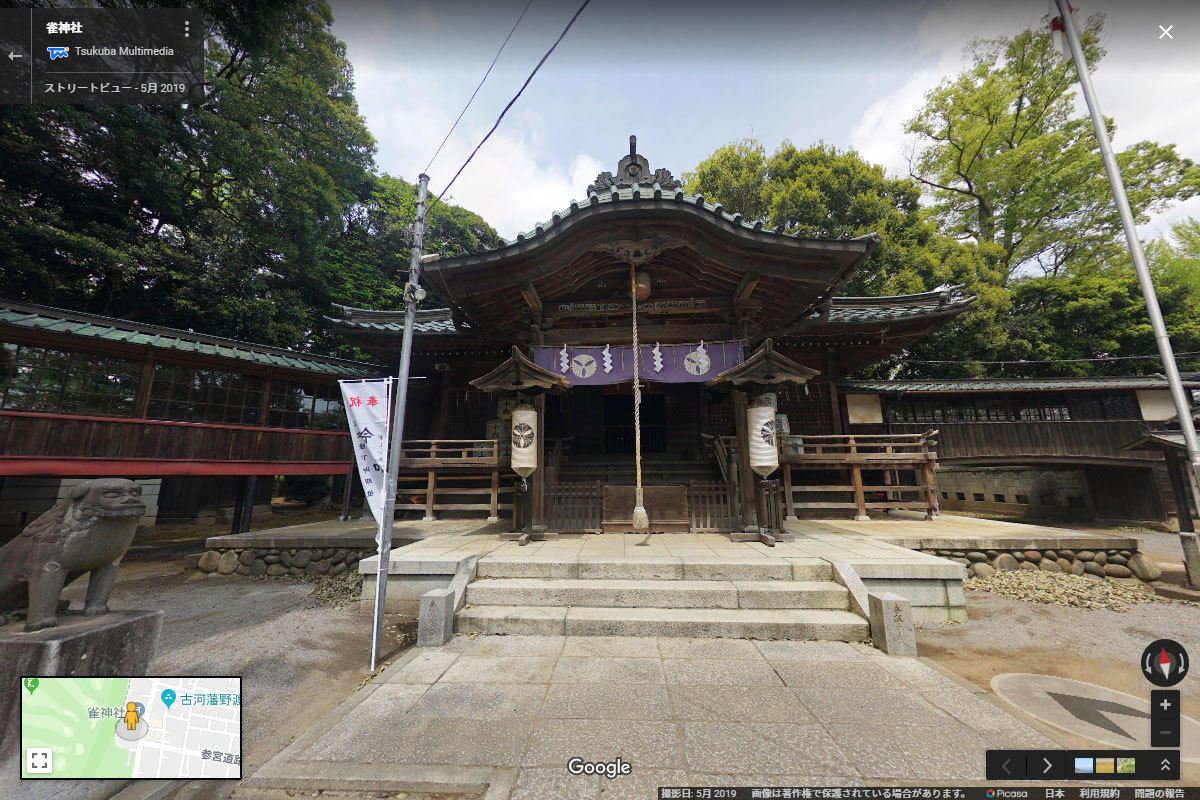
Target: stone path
pixel 508 712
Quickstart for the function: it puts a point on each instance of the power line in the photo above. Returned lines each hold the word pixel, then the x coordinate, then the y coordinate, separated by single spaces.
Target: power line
pixel 1055 360
pixel 511 102
pixel 480 86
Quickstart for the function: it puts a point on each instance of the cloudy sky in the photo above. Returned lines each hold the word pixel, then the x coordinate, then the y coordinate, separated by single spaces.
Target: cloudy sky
pixel 688 77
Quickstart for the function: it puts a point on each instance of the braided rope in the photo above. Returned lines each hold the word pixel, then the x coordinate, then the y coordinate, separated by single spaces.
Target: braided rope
pixel 637 390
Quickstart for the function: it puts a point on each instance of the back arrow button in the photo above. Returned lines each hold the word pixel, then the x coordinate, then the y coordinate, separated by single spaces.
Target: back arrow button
pixel 12 55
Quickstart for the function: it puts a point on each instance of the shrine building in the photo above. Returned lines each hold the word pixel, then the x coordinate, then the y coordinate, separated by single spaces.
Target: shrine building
pixel 731 315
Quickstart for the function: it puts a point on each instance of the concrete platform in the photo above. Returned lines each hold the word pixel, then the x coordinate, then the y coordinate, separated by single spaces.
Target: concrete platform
pixel 950 532
pixel 332 533
pixel 503 715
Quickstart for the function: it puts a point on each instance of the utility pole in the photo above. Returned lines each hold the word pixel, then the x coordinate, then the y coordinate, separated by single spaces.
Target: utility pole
pixel 1183 408
pixel 413 294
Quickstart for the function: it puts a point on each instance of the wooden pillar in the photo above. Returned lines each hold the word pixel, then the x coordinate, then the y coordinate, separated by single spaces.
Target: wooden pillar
pixel 745 476
pixel 347 491
pixel 835 405
pixel 494 513
pixel 439 424
pixel 1179 487
pixel 248 502
pixel 235 526
pixel 538 501
pixel 141 405
pixel 264 404
pixel 788 500
pixel 932 508
pixel 860 500
pixel 430 494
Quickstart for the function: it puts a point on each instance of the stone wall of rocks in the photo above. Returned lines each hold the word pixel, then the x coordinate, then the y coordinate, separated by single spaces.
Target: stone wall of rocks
pixel 1098 564
pixel 275 561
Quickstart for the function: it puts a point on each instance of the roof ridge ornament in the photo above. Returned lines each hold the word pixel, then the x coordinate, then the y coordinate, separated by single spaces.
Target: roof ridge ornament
pixel 634 170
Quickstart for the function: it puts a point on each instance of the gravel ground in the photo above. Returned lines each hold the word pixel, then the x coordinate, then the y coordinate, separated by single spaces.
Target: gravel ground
pixel 1080 591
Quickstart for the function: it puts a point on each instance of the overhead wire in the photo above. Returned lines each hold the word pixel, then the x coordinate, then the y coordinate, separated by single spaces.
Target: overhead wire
pixel 511 102
pixel 480 86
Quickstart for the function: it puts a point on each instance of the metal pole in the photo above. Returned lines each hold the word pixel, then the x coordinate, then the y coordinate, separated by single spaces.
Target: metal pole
pixel 401 397
pixel 1182 406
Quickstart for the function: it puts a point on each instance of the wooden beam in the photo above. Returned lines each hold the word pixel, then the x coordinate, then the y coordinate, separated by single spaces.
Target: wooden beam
pixel 745 289
pixel 745 475
pixel 835 405
pixel 649 333
pixel 860 502
pixel 430 493
pixel 142 403
pixel 531 299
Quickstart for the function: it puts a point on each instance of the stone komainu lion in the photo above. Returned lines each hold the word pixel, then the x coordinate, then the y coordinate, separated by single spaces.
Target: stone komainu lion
pixel 87 531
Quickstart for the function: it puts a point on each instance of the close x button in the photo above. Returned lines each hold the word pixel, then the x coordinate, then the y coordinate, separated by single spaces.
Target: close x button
pixel 1006 765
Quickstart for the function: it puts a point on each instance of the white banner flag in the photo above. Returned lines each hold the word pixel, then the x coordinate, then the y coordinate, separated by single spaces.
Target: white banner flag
pixel 367 404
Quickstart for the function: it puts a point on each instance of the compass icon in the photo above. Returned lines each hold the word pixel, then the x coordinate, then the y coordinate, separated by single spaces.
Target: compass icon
pixel 1164 662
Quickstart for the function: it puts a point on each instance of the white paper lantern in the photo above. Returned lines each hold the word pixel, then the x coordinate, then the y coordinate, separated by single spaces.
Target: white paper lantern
pixel 524 440
pixel 760 425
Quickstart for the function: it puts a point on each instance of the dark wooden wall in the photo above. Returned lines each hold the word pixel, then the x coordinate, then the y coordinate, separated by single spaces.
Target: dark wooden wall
pixel 961 441
pixel 53 436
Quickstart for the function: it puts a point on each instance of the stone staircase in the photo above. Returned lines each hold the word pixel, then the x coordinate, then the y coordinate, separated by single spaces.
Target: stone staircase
pixel 749 599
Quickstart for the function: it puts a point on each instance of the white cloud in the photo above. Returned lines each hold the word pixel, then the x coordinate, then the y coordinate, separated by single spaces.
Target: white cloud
pixel 510 182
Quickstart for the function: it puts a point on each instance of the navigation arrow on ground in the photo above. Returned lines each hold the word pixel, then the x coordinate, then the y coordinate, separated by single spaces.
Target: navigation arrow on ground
pixel 12 55
pixel 1092 711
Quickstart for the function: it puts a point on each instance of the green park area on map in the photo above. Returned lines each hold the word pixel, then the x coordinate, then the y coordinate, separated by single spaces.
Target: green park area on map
pixel 55 715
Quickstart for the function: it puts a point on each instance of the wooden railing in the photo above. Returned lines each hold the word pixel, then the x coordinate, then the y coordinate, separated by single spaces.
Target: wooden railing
pixel 423 454
pixel 895 457
pixel 865 449
pixel 712 506
pixel 573 507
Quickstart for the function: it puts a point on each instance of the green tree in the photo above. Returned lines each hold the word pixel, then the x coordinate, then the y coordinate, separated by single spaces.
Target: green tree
pixel 823 192
pixel 213 215
pixel 1012 167
pixel 1096 316
pixel 366 264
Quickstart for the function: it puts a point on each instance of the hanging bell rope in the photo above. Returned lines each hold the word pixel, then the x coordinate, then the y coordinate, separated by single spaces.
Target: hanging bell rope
pixel 641 520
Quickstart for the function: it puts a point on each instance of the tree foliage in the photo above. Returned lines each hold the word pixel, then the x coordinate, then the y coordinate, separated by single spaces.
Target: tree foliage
pixel 241 215
pixel 1013 167
pixel 822 192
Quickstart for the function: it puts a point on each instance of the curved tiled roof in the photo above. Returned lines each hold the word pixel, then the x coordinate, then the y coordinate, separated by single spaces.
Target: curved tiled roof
pixel 654 191
pixel 109 329
pixel 431 320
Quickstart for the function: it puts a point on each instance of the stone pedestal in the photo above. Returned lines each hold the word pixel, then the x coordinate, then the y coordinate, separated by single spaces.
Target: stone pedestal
pixel 115 644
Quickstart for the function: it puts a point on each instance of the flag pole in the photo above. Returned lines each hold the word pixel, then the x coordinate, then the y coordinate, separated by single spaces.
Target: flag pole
pixel 1182 406
pixel 412 295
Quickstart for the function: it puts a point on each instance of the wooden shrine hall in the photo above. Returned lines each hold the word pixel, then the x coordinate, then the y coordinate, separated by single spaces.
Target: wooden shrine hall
pixel 738 324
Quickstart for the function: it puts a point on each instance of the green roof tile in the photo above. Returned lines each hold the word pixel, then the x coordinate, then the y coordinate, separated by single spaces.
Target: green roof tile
pixel 44 318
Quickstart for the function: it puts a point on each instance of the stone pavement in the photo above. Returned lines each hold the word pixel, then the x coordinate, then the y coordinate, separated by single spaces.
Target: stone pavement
pixel 508 712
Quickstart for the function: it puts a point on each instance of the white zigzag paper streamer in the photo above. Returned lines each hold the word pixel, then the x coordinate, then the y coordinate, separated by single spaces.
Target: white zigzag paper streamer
pixel 564 361
pixel 658 362
pixel 700 350
pixel 608 367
